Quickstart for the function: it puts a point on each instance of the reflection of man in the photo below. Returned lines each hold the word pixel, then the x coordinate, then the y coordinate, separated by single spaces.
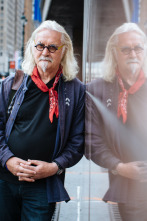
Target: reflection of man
pixel 44 127
pixel 123 90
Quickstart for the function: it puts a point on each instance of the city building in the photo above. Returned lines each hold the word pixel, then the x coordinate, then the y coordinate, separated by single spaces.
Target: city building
pixel 37 13
pixel 29 14
pixel 10 31
pixel 16 26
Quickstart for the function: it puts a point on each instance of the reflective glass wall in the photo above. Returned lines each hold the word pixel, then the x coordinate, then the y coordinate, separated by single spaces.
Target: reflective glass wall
pixel 101 18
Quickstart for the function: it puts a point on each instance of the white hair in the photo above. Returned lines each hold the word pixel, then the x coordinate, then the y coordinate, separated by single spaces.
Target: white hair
pixel 109 63
pixel 68 62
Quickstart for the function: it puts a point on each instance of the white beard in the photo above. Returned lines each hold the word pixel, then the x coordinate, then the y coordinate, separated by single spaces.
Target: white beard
pixel 133 68
pixel 44 65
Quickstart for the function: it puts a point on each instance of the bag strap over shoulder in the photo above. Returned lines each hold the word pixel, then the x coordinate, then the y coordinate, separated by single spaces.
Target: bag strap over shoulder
pixel 19 75
pixel 17 81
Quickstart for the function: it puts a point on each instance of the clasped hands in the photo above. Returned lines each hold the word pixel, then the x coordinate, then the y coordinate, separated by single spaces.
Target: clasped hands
pixel 136 170
pixel 31 170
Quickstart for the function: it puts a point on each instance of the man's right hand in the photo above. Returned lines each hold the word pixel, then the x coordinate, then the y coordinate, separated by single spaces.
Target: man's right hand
pixel 136 170
pixel 14 166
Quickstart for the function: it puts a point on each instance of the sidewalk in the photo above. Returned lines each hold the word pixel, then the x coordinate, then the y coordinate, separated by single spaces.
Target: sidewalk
pixel 86 191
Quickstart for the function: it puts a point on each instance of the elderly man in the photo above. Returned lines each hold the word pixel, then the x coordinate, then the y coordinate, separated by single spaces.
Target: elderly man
pixel 41 126
pixel 116 121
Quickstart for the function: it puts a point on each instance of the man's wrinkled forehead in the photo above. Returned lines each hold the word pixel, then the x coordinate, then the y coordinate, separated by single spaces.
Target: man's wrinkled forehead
pixel 130 37
pixel 48 33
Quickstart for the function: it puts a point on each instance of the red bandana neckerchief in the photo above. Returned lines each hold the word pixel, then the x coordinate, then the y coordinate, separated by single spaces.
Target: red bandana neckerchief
pixel 53 95
pixel 123 96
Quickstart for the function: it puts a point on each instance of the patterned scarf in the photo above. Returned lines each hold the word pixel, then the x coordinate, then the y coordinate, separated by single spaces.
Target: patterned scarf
pixel 123 96
pixel 53 95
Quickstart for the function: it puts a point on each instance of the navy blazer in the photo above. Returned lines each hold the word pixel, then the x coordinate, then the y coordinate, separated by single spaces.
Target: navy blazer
pixel 69 145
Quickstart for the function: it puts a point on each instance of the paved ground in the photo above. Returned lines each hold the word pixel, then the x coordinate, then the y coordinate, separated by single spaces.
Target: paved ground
pixel 86 191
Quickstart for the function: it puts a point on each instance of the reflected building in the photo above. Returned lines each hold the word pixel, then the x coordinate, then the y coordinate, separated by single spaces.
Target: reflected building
pixel 100 20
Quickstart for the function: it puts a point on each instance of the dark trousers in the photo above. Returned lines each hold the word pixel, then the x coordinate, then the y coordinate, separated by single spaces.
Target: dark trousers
pixel 24 202
pixel 135 212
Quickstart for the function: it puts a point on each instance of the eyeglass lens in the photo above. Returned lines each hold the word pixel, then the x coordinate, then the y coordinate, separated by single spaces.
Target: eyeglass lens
pixel 127 50
pixel 41 47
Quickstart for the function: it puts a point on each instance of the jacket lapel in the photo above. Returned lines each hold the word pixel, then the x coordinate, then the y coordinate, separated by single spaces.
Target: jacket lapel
pixel 62 114
pixel 110 95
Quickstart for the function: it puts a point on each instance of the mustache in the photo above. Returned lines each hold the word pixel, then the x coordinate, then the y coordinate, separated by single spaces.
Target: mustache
pixel 132 61
pixel 42 58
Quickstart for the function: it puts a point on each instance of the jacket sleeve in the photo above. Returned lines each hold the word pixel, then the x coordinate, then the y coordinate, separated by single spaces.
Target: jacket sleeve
pixel 97 146
pixel 5 152
pixel 74 147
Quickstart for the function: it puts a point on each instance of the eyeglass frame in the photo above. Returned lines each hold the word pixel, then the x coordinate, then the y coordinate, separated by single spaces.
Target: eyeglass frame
pixel 45 46
pixel 131 49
